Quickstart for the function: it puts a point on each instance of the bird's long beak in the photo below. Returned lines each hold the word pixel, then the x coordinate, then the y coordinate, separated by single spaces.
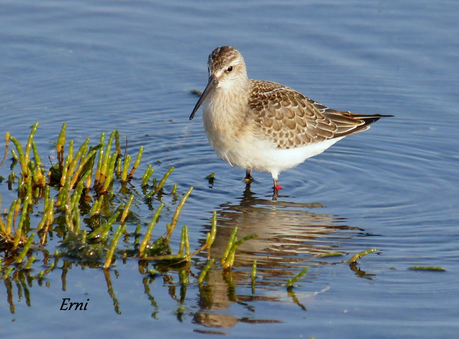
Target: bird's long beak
pixel 212 84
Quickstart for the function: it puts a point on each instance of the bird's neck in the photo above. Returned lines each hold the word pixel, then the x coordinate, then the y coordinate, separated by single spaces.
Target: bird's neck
pixel 226 108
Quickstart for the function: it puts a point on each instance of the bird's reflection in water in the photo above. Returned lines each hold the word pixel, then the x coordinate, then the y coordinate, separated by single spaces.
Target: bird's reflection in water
pixel 290 235
pixel 288 232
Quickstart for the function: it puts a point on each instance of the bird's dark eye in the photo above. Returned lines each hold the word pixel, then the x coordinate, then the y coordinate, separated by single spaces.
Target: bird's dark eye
pixel 229 69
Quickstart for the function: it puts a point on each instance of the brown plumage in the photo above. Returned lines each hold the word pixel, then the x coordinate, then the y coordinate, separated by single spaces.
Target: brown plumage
pixel 291 120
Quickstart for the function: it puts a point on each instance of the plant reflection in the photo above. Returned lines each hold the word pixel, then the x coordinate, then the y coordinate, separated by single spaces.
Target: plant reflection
pixel 116 304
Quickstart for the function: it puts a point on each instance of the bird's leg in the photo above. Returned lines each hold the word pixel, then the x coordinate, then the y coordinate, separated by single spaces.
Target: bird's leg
pixel 275 176
pixel 276 184
pixel 248 177
pixel 276 187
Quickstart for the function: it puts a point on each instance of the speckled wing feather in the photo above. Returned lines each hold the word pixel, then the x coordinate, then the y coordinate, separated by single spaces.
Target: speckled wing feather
pixel 292 120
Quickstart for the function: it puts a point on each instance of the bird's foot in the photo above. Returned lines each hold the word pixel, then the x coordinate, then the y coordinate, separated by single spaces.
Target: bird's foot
pixel 275 194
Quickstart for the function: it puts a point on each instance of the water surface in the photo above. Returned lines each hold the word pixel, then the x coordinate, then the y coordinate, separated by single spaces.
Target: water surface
pixel 130 66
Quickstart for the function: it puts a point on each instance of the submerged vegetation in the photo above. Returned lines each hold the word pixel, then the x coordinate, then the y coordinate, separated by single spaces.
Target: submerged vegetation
pixel 78 212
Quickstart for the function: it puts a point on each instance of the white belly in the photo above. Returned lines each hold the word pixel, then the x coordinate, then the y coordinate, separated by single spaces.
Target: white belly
pixel 251 153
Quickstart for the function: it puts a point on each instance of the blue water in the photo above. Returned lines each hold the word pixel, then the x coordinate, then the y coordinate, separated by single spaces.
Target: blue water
pixel 130 66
